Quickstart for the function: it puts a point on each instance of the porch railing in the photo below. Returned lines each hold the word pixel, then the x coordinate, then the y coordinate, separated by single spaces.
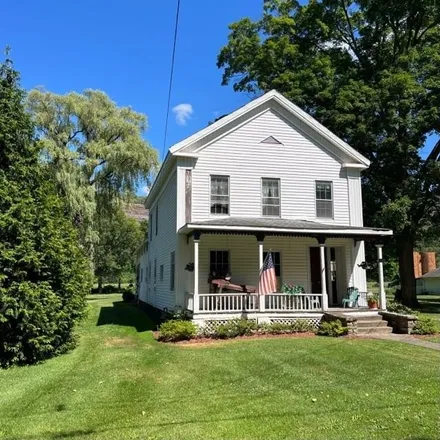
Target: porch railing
pixel 228 302
pixel 245 302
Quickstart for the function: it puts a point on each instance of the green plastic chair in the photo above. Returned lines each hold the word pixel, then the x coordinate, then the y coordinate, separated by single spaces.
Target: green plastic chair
pixel 351 297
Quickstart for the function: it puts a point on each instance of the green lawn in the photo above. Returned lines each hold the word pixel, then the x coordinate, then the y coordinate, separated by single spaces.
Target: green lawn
pixel 121 384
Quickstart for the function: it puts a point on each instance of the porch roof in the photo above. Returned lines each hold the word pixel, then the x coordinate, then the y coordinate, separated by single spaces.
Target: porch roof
pixel 280 226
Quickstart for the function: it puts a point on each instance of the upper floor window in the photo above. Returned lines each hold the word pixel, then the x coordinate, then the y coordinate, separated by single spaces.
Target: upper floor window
pixel 150 227
pixel 172 270
pixel 157 218
pixel 161 273
pixel 219 194
pixel 271 197
pixel 324 200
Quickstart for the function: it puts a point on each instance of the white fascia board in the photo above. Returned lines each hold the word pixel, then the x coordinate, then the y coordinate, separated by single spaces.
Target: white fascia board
pixel 160 175
pixel 287 230
pixel 357 166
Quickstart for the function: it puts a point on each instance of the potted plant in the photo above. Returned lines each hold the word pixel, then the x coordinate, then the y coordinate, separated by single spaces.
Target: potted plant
pixel 373 300
pixel 292 289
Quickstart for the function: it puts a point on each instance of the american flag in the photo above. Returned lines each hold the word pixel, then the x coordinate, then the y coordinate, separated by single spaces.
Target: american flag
pixel 268 279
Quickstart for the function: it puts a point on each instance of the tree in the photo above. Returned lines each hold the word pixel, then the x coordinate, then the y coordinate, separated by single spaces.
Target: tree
pixel 44 274
pixel 95 151
pixel 370 71
pixel 119 239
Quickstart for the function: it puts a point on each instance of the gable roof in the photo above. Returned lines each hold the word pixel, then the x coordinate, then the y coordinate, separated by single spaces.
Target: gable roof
pixel 433 274
pixel 293 110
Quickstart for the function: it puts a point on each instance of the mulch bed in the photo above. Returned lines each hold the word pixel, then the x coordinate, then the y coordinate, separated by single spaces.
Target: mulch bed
pixel 210 341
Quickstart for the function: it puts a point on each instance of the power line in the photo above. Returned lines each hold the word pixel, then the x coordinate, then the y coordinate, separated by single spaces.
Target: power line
pixel 171 78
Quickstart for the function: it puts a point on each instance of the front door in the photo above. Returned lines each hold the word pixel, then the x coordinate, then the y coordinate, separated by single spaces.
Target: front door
pixel 315 270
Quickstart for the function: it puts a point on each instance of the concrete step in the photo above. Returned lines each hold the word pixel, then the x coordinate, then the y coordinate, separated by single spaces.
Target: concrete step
pixel 369 318
pixel 372 323
pixel 374 330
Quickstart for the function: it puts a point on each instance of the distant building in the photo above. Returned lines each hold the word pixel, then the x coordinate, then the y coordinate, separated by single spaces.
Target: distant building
pixel 136 211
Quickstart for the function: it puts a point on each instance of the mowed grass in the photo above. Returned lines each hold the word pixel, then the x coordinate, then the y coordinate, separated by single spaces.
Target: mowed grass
pixel 121 384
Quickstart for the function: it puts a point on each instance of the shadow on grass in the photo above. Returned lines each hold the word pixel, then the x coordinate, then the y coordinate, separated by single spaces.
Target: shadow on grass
pixel 125 315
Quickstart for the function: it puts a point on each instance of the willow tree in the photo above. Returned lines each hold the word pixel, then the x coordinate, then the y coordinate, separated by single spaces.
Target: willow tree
pixel 95 150
pixel 370 71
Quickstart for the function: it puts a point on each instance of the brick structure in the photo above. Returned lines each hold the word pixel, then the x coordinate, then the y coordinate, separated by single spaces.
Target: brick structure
pixel 428 262
pixel 417 258
pixel 424 262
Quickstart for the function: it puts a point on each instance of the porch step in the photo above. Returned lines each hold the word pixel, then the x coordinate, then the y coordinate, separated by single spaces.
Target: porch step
pixel 374 330
pixel 370 323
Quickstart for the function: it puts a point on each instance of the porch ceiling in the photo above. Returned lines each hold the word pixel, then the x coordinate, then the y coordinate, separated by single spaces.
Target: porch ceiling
pixel 280 226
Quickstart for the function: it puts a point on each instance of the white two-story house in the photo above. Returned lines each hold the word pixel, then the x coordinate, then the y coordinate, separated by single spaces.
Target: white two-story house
pixel 265 178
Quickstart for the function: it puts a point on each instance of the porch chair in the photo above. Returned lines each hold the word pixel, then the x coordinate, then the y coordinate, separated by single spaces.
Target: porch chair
pixel 352 297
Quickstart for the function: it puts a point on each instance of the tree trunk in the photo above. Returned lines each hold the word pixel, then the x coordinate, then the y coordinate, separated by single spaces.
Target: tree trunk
pixel 405 248
pixel 100 284
pixel 119 283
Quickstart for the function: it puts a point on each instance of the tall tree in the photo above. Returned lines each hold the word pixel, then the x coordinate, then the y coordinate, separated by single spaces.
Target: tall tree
pixel 370 71
pixel 95 150
pixel 119 239
pixel 44 274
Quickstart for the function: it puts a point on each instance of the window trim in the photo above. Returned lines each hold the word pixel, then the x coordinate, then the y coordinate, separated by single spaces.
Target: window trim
pixel 229 194
pixel 261 197
pixel 157 218
pixel 172 270
pixel 220 250
pixel 332 200
pixel 161 272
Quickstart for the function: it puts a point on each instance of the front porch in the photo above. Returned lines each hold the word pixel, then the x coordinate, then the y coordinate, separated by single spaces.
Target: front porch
pixel 325 260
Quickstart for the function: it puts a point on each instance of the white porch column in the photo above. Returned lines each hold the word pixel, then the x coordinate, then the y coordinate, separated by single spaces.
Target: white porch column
pixel 196 301
pixel 329 273
pixel 382 297
pixel 261 299
pixel 323 275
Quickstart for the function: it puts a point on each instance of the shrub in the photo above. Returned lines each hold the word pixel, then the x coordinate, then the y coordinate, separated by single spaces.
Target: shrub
pixel 44 274
pixel 397 307
pixel 176 330
pixel 333 328
pixel 278 328
pixel 425 326
pixel 128 296
pixel 234 328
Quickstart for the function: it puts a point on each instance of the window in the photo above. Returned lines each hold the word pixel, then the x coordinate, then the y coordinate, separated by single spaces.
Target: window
pixel 146 274
pixel 155 271
pixel 149 271
pixel 276 258
pixel 219 194
pixel 161 273
pixel 157 218
pixel 219 263
pixel 172 269
pixel 271 197
pixel 150 227
pixel 324 200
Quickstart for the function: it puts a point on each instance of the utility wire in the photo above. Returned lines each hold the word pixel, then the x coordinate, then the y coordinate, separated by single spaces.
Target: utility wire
pixel 171 79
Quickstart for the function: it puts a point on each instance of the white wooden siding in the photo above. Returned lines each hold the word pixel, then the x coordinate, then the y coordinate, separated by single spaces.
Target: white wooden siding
pixel 161 245
pixel 299 162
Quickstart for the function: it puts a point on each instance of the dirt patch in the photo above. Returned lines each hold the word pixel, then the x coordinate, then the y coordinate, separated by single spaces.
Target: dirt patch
pixel 118 342
pixel 203 342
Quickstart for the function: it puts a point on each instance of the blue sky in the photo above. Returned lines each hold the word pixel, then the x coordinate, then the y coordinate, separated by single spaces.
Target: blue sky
pixel 124 48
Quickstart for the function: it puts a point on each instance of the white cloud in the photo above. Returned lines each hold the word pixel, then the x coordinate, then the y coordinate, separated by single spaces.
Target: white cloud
pixel 144 190
pixel 183 112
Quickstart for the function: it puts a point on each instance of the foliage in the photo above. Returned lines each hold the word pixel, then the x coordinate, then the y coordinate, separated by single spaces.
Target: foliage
pixel 175 330
pixel 332 328
pixel 178 314
pixel 397 307
pixel 277 328
pixel 425 325
pixel 119 239
pixel 44 274
pixel 372 298
pixel 128 295
pixel 369 71
pixel 234 328
pixel 292 289
pixel 94 149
